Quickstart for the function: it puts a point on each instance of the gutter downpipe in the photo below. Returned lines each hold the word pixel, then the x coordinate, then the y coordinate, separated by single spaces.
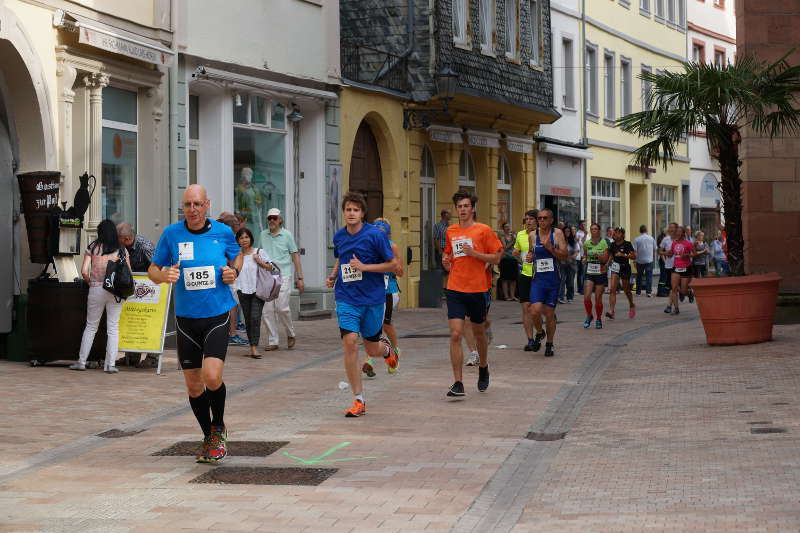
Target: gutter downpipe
pixel 584 140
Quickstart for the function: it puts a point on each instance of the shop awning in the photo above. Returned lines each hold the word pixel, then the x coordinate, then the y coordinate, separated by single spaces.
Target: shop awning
pixel 516 143
pixel 486 139
pixel 113 39
pixel 446 134
pixel 568 151
pixel 242 81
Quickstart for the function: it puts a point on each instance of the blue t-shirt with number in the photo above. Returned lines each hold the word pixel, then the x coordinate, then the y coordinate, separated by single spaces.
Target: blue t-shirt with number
pixel 200 291
pixel 371 246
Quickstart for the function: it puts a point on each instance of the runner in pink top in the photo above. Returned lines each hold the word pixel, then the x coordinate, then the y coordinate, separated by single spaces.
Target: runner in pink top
pixel 682 251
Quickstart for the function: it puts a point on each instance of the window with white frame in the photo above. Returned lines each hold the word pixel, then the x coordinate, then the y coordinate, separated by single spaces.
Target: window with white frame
pixel 567 74
pixel 466 173
pixel 120 151
pixel 644 5
pixel 536 32
pixel 647 88
pixel 719 57
pixel 659 4
pixel 590 80
pixel 259 159
pixel 625 86
pixel 504 192
pixel 486 21
pixel 698 52
pixel 662 205
pixel 606 202
pixel 512 28
pixel 671 10
pixel 608 83
pixel 681 13
pixel 460 21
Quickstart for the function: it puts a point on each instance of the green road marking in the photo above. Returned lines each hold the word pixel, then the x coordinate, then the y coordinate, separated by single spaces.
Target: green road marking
pixel 321 458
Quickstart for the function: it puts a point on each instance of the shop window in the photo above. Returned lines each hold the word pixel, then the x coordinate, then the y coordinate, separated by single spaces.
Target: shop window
pixel 258 110
pixel 119 155
pixel 536 32
pixel 504 193
pixel 466 173
pixel 278 116
pixel 512 28
pixel 663 206
pixel 486 21
pixel 606 202
pixel 241 107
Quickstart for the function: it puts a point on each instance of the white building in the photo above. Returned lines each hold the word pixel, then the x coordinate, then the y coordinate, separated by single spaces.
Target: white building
pixel 561 161
pixel 711 37
pixel 257 112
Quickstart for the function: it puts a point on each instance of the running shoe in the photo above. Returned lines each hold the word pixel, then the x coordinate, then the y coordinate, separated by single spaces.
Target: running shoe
pixel 588 322
pixel 456 390
pixel 77 366
pixel 598 324
pixel 529 347
pixel 537 341
pixel 217 451
pixel 202 453
pixel 483 378
pixel 473 359
pixel 358 408
pixel 691 297
pixel 562 301
pixel 676 311
pixel 368 368
pixel 649 294
pixel 549 351
pixel 632 313
pixel 610 315
pixel 569 301
pixel 668 309
pixel 236 340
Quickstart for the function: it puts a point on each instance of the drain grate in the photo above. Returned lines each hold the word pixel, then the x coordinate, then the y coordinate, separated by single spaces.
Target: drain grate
pixel 746 411
pixel 244 475
pixel 534 435
pixel 758 431
pixel 781 403
pixel 239 448
pixel 427 336
pixel 760 422
pixel 118 433
pixel 717 392
pixel 754 387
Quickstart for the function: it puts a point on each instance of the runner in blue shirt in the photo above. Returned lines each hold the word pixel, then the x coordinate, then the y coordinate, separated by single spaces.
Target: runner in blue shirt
pixel 201 257
pixel 362 254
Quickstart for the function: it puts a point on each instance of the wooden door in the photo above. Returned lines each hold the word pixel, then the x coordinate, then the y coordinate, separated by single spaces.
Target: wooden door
pixel 365 171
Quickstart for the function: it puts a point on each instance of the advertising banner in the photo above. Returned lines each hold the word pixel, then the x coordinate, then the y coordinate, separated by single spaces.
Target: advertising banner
pixel 144 316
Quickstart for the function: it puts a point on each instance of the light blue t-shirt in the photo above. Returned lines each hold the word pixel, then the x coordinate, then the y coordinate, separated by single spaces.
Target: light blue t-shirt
pixel 371 246
pixel 200 291
pixel 280 248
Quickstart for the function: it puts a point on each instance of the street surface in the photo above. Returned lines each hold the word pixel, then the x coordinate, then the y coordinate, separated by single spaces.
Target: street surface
pixel 661 433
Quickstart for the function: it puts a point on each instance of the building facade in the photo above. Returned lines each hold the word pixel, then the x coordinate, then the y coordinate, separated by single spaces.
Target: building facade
pixel 409 146
pixel 256 117
pixel 622 39
pixel 83 89
pixel 711 38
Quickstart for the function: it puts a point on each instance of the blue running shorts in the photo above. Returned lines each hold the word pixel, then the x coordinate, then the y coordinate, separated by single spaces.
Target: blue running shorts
pixel 544 293
pixel 364 319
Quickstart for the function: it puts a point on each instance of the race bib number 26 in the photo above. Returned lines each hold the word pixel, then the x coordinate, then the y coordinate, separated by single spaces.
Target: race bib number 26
pixel 199 278
pixel 350 274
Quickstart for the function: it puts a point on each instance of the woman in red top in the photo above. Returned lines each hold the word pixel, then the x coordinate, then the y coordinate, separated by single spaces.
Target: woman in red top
pixel 682 252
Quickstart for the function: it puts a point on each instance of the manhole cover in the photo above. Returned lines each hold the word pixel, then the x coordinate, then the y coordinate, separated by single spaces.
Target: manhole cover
pixel 248 475
pixel 754 388
pixel 533 435
pixel 760 422
pixel 717 392
pixel 767 430
pixel 118 433
pixel 240 448
pixel 428 336
pixel 781 403
pixel 746 411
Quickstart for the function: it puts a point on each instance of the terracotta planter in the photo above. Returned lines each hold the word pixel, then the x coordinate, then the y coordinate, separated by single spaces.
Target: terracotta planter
pixel 737 310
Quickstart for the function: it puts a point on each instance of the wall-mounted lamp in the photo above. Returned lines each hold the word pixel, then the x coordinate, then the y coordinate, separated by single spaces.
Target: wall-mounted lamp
pixel 237 100
pixel 295 115
pixel 446 84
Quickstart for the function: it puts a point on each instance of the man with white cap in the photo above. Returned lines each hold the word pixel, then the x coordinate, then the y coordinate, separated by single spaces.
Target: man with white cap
pixel 279 244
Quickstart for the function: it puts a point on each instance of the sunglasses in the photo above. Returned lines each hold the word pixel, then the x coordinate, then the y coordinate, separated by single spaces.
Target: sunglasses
pixel 542 218
pixel 273 217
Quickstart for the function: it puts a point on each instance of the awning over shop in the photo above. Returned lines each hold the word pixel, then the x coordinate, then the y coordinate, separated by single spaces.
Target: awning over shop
pixel 113 39
pixel 242 81
pixel 567 151
pixel 446 134
pixel 516 143
pixel 486 139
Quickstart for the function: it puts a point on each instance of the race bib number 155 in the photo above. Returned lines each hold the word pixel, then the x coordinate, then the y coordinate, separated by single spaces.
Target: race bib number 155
pixel 458 247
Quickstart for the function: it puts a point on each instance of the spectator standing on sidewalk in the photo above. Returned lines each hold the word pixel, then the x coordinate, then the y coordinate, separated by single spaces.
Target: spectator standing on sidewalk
pixel 567 266
pixel 230 220
pixel 645 247
pixel 701 255
pixel 509 267
pixel 719 255
pixel 282 250
pixel 439 241
pixel 664 248
pixel 140 251
pixel 252 306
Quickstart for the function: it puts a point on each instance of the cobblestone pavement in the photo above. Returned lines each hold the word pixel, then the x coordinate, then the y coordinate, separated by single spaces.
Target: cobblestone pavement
pixel 658 437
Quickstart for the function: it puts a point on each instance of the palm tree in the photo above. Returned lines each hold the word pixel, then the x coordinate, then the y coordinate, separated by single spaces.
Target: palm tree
pixel 721 101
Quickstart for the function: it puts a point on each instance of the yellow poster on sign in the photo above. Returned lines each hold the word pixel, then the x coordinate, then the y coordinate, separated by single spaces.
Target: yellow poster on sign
pixel 143 320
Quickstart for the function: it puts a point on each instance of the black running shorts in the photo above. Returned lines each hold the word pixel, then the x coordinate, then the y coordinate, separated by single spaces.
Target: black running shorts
pixel 467 304
pixel 201 337
pixel 524 287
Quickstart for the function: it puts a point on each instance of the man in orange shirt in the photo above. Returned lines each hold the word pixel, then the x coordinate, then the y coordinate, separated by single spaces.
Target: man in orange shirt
pixel 470 246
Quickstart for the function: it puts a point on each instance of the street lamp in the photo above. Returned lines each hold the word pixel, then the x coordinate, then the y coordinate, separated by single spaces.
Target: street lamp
pixel 446 81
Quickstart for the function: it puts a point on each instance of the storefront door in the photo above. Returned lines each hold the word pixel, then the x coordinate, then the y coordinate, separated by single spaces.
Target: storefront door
pixel 365 171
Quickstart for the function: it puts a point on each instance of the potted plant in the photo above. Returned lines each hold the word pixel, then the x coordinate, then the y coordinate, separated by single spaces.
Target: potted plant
pixel 721 101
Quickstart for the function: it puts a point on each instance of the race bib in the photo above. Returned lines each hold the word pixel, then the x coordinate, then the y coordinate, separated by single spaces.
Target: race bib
pixel 350 274
pixel 593 268
pixel 544 265
pixel 186 251
pixel 458 247
pixel 199 278
pixel 615 268
pixel 679 270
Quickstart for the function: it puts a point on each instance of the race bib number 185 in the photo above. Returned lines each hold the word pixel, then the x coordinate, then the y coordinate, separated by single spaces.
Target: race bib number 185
pixel 198 278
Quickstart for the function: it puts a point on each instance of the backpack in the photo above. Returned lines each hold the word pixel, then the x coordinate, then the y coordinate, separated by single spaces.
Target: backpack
pixel 119 279
pixel 268 283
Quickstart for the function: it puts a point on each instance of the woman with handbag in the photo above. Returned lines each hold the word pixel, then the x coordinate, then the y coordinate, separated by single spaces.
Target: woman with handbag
pixel 100 252
pixel 246 284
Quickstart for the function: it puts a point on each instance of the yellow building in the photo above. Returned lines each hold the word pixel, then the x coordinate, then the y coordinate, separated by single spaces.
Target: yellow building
pixel 623 39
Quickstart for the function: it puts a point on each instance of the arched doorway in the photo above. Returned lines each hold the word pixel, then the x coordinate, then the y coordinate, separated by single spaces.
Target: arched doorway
pixel 365 171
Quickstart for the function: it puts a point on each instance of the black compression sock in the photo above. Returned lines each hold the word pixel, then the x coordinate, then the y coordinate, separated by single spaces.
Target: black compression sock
pixel 200 407
pixel 217 401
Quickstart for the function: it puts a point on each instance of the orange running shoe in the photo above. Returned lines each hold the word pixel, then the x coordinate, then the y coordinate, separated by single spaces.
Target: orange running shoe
pixel 358 408
pixel 392 359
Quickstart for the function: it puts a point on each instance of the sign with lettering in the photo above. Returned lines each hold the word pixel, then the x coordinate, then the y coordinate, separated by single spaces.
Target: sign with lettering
pixel 564 191
pixel 519 147
pixel 144 316
pixel 483 140
pixel 443 136
pixel 119 45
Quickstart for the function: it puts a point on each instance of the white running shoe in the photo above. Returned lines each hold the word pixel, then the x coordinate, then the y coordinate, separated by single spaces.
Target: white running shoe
pixel 472 360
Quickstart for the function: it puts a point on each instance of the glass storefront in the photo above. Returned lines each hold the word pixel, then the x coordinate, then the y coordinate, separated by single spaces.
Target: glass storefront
pixel 606 203
pixel 119 159
pixel 663 205
pixel 566 209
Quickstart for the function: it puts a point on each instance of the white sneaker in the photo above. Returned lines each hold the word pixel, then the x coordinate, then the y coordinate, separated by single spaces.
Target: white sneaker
pixel 112 370
pixel 77 366
pixel 472 360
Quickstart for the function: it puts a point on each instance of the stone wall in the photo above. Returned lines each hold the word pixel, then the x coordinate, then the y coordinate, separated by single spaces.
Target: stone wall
pixel 771 169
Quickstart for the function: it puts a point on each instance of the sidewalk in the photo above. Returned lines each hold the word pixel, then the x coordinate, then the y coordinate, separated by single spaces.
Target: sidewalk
pixel 658 436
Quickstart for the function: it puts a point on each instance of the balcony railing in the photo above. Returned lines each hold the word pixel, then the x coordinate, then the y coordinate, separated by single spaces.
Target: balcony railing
pixel 364 64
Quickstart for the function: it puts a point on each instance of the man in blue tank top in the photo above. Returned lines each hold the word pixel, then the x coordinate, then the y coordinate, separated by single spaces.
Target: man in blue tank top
pixel 548 247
